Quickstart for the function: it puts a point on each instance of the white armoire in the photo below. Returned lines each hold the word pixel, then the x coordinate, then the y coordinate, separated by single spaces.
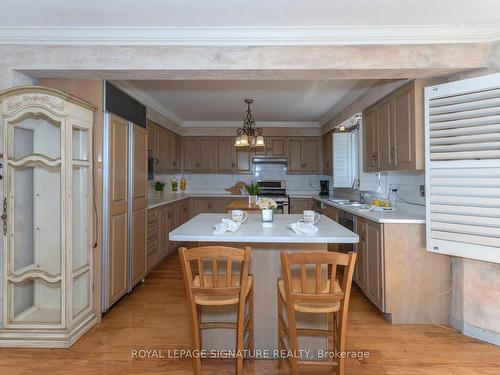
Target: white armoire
pixel 47 266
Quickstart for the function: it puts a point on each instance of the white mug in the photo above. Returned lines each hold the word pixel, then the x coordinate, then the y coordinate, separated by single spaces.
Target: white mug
pixel 239 216
pixel 311 217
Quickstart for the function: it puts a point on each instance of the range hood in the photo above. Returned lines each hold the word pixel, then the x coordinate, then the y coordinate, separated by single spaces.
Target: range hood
pixel 269 160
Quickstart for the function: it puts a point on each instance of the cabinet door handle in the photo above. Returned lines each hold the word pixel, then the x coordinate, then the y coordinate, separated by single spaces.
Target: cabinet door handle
pixel 4 216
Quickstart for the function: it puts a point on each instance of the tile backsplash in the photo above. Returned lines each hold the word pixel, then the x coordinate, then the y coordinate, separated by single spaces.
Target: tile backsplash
pixel 407 182
pixel 217 183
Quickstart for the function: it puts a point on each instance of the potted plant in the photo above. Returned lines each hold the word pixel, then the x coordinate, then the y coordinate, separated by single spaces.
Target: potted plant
pixel 267 207
pixel 158 187
pixel 252 189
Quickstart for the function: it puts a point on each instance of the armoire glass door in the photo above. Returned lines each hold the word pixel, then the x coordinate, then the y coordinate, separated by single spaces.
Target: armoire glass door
pixel 81 230
pixel 34 202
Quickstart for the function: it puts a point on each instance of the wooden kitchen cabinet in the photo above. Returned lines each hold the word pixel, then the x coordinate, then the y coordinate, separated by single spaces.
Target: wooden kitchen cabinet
pixel 224 152
pixel 184 210
pixel 360 270
pixel 328 154
pixel 369 271
pixel 275 147
pixel 298 205
pixel 165 147
pixel 199 154
pixel 384 125
pixel 153 246
pixel 407 130
pixel 163 231
pixel 232 159
pixel 370 140
pixel 215 205
pixel 374 262
pixel 218 205
pixel 304 155
pixel 200 205
pixel 393 130
pixel 311 155
pixel 294 147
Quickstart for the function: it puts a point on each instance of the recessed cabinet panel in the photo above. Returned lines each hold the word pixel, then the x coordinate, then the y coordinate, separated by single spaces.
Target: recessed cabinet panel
pixel 80 144
pixel 36 225
pixel 36 135
pixel 81 217
pixel 35 301
pixel 81 293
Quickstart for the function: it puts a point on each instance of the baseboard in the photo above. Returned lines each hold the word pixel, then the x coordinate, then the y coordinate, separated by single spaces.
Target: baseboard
pixel 481 334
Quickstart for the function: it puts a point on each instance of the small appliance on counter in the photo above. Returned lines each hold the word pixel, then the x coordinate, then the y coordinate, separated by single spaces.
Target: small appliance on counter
pixel 325 187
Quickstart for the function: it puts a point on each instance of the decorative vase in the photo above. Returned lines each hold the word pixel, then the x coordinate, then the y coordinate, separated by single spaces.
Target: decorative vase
pixel 252 200
pixel 267 215
pixel 158 194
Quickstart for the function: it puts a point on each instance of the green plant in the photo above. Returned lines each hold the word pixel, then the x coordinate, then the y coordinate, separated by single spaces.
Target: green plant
pixel 252 189
pixel 158 186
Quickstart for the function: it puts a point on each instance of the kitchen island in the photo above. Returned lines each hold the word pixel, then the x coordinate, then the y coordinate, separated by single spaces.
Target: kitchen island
pixel 266 241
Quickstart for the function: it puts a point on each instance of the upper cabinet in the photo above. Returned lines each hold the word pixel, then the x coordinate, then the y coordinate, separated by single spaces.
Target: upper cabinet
pixel 198 154
pixel 166 149
pixel 328 154
pixel 304 155
pixel 232 159
pixel 393 131
pixel 275 147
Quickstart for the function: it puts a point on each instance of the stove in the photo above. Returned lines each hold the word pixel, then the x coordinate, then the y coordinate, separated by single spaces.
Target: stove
pixel 275 190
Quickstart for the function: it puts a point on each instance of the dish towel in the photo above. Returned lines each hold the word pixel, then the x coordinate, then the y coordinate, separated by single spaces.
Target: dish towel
pixel 306 229
pixel 225 226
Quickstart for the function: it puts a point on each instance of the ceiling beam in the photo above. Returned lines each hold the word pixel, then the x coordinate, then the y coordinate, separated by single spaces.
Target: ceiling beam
pixel 212 62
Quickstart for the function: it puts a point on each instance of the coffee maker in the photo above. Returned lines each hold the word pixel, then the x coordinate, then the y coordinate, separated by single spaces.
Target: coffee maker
pixel 325 187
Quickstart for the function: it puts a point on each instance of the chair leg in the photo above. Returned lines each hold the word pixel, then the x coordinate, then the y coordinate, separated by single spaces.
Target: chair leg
pixel 281 331
pixel 240 333
pixel 292 337
pixel 196 340
pixel 251 321
pixel 342 323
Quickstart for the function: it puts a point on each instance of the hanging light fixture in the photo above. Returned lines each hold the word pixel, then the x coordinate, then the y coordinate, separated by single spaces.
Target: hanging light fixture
pixel 249 135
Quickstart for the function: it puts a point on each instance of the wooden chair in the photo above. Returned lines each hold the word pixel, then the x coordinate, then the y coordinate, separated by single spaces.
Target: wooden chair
pixel 224 282
pixel 316 292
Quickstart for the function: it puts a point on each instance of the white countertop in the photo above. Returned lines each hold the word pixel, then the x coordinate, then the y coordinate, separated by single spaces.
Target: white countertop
pixel 200 228
pixel 406 214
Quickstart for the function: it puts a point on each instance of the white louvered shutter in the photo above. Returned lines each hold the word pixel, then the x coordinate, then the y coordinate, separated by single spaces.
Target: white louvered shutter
pixel 342 160
pixel 462 131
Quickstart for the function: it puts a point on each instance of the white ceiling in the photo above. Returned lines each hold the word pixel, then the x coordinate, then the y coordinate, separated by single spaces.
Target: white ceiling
pixel 248 22
pixel 259 13
pixel 276 103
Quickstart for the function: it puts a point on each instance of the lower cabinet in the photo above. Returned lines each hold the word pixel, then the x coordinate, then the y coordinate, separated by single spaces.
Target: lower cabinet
pixel 161 221
pixel 211 205
pixel 369 271
pixel 332 213
pixel 153 247
pixel 299 205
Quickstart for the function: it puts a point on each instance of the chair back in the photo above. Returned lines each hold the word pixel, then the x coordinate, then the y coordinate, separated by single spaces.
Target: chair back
pixel 312 277
pixel 215 270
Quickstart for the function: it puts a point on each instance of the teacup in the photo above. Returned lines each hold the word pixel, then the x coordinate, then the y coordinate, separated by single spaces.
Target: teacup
pixel 239 216
pixel 310 217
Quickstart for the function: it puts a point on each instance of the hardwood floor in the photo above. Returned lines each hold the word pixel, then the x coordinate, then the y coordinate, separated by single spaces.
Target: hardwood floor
pixel 155 317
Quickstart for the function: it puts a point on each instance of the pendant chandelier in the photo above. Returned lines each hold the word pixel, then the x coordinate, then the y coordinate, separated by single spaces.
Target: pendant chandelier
pixel 249 135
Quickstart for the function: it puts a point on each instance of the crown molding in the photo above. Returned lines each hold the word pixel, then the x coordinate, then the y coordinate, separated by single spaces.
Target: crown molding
pixel 220 36
pixel 261 124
